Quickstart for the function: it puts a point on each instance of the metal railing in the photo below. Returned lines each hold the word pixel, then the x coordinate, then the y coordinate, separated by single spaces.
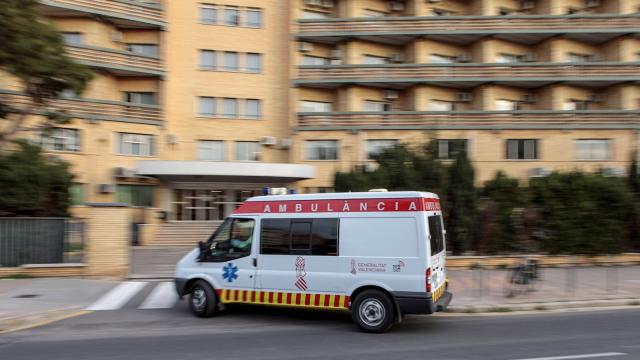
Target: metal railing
pixel 28 241
pixel 124 60
pixel 122 9
pixel 474 118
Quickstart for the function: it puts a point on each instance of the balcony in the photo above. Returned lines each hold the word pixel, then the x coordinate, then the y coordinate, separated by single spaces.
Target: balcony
pixel 469 75
pixel 123 13
pixel 593 28
pixel 118 62
pixel 91 109
pixel 530 119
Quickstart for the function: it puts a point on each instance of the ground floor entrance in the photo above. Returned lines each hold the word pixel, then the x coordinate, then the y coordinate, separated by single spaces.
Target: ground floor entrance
pixel 204 204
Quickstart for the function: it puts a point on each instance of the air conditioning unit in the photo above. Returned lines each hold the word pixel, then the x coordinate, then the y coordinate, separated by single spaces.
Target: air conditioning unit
pixel 530 98
pixel 390 94
pixel 527 4
pixel 464 97
pixel 172 139
pixel 121 172
pixel 313 2
pixel 397 58
pixel 528 58
pixel 305 46
pixel 539 172
pixel 396 6
pixel 107 188
pixel 591 3
pixel 336 54
pixel 596 98
pixel 613 171
pixel 285 143
pixel 463 58
pixel 268 140
pixel 327 4
pixel 117 36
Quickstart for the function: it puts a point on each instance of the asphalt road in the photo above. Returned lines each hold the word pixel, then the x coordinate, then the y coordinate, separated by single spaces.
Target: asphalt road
pixel 281 333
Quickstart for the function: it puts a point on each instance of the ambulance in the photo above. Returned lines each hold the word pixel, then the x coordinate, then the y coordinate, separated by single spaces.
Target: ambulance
pixel 380 255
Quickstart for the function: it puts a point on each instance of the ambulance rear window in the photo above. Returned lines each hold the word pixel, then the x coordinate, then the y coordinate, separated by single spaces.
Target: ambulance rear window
pixel 435 230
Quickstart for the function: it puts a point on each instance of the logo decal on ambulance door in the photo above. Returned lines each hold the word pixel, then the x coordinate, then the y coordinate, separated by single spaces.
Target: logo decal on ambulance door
pixel 398 268
pixel 300 283
pixel 353 267
pixel 230 272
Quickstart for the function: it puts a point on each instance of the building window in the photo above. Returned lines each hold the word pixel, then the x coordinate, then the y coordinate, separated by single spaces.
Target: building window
pixel 593 149
pixel 136 144
pixel 441 59
pixel 374 60
pixel 76 193
pixel 247 151
pixel 440 105
pixel 206 106
pixel 450 148
pixel 506 105
pixel 72 38
pixel 507 58
pixel 571 105
pixel 230 107
pixel 231 16
pixel 308 14
pixel 441 12
pixel 578 58
pixel 145 98
pixel 231 61
pixel 135 195
pixel 208 14
pixel 375 147
pixel 211 150
pixel 252 109
pixel 314 106
pixel 314 60
pixel 373 13
pixel 207 60
pixel 144 49
pixel 522 149
pixel 321 150
pixel 254 62
pixel 375 106
pixel 254 18
pixel 60 139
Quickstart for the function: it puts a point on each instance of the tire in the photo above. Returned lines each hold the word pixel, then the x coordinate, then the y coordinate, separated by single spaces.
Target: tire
pixel 202 299
pixel 373 311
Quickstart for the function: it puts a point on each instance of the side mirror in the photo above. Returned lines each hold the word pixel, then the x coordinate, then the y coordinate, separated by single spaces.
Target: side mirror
pixel 204 251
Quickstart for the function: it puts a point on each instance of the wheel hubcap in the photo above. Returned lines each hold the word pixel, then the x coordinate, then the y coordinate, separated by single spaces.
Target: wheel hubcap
pixel 199 298
pixel 372 312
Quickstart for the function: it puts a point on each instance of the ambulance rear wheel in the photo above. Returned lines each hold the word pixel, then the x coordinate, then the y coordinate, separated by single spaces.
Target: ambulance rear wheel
pixel 373 311
pixel 202 300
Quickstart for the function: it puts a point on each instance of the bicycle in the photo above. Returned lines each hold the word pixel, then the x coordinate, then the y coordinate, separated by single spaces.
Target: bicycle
pixel 522 278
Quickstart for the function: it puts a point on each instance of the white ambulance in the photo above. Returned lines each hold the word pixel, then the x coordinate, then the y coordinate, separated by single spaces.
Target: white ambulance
pixel 379 254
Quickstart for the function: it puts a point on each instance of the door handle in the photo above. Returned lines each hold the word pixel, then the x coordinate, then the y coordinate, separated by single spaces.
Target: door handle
pixel 255 262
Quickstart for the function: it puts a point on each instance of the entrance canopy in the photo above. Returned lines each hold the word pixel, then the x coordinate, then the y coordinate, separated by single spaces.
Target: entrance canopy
pixel 246 172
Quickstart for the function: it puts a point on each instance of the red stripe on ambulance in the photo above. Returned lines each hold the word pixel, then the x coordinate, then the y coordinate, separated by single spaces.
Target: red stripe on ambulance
pixel 347 205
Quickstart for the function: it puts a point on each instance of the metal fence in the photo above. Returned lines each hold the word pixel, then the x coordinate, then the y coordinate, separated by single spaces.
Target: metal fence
pixel 41 241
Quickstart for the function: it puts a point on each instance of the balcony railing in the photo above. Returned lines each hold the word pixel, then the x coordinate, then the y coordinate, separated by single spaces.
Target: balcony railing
pixel 472 119
pixel 468 24
pixel 467 72
pixel 92 109
pixel 129 10
pixel 122 61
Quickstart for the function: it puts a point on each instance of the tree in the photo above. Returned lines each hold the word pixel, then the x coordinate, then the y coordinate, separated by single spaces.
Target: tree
pixel 32 52
pixel 461 204
pixel 32 184
pixel 503 196
pixel 634 224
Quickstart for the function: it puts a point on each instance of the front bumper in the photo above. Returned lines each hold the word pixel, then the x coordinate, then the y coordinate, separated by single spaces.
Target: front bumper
pixel 421 303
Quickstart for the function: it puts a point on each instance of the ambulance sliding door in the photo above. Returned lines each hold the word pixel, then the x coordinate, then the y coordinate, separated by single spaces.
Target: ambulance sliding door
pixel 298 254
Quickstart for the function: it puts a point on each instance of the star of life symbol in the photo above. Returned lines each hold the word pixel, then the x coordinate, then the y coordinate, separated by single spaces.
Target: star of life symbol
pixel 398 268
pixel 300 274
pixel 230 272
pixel 353 267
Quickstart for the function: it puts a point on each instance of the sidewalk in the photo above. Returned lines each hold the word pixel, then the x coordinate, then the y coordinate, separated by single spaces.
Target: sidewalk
pixel 482 290
pixel 26 302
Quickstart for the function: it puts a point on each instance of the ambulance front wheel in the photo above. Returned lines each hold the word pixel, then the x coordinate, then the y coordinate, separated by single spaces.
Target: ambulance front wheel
pixel 202 300
pixel 373 311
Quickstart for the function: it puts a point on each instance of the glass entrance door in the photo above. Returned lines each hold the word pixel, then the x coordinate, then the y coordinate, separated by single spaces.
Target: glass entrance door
pixel 209 204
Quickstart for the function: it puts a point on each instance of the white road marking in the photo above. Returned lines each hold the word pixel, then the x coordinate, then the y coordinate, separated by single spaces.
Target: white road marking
pixel 118 296
pixel 584 356
pixel 163 296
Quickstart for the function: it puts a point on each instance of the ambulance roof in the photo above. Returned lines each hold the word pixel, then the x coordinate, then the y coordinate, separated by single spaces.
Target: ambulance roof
pixel 348 195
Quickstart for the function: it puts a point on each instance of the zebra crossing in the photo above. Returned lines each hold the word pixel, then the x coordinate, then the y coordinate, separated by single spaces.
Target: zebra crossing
pixel 162 295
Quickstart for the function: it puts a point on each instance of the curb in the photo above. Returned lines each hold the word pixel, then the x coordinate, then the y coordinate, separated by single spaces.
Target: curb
pixel 28 321
pixel 545 306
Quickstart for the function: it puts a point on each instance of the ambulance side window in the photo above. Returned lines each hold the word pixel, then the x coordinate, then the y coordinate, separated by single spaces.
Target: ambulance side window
pixel 299 237
pixel 435 230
